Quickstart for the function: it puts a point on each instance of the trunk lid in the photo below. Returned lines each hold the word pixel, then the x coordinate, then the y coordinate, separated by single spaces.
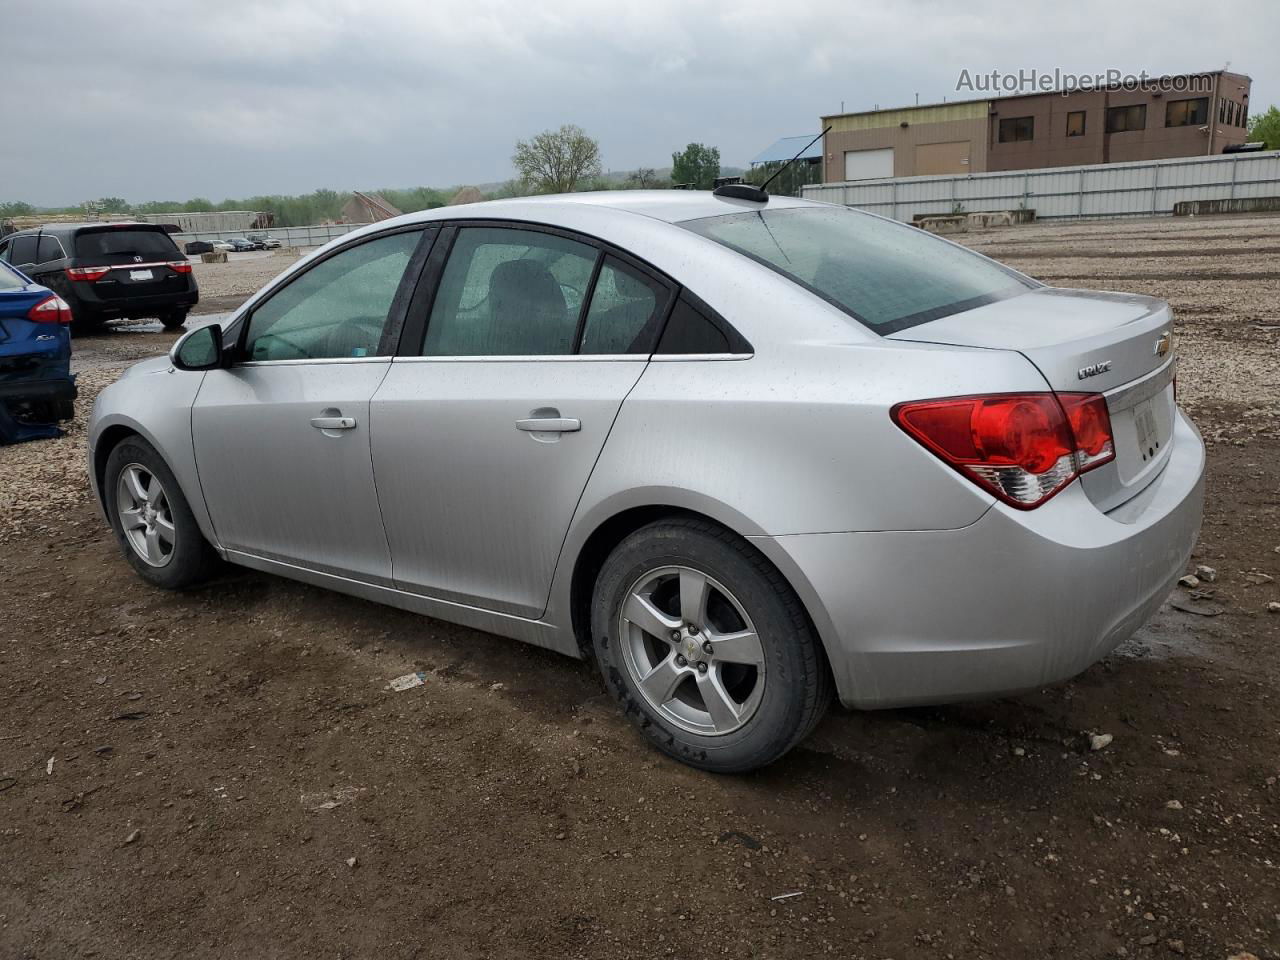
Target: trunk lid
pixel 1085 341
pixel 138 255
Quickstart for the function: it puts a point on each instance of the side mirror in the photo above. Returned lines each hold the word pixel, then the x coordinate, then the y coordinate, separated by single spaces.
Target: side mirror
pixel 199 349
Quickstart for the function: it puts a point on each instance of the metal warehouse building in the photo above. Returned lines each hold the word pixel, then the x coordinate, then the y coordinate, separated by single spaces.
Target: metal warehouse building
pixel 1195 114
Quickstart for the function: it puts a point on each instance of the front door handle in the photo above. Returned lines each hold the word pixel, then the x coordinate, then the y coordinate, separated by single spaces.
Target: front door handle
pixel 334 423
pixel 549 425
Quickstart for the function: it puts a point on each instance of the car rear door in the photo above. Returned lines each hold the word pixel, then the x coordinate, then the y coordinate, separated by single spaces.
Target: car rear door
pixel 282 436
pixel 486 430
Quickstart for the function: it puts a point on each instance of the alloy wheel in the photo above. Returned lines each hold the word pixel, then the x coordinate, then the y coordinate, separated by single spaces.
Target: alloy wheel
pixel 692 651
pixel 145 515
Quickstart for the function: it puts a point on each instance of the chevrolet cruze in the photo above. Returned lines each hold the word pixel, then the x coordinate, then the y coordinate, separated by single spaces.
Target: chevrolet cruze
pixel 743 452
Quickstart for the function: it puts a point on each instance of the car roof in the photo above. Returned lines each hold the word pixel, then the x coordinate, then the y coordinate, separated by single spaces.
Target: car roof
pixel 64 229
pixel 668 206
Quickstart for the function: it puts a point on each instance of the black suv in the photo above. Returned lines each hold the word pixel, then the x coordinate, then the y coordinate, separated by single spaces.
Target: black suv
pixel 107 271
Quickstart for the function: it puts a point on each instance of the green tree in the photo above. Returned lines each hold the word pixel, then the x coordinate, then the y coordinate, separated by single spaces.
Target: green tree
pixel 16 208
pixel 1266 127
pixel 112 204
pixel 697 164
pixel 556 161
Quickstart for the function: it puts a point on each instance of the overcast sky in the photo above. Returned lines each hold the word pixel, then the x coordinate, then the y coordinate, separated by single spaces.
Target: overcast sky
pixel 235 98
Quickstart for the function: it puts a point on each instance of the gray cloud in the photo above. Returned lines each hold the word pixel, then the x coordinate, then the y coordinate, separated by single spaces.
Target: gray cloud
pixel 240 98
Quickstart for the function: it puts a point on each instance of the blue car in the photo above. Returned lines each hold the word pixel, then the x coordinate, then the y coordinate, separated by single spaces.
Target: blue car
pixel 36 386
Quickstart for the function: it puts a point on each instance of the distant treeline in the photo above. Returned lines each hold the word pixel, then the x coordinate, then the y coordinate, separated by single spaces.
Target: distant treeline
pixel 321 205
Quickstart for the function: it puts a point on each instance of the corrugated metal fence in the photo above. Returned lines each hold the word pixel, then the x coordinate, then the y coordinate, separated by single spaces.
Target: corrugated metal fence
pixel 1149 188
pixel 289 236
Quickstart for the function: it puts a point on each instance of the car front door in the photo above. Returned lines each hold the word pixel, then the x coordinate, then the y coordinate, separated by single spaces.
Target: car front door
pixel 282 436
pixel 484 440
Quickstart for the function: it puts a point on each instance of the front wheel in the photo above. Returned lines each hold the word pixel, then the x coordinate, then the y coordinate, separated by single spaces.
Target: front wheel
pixel 152 519
pixel 706 647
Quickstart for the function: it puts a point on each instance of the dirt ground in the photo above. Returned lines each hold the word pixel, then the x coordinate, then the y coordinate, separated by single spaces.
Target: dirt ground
pixel 224 773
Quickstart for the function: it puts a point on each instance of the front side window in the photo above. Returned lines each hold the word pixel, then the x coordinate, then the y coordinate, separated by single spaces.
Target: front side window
pixel 1186 113
pixel 1017 128
pixel 886 275
pixel 509 292
pixel 625 313
pixel 1124 119
pixel 337 309
pixel 23 251
pixel 1075 123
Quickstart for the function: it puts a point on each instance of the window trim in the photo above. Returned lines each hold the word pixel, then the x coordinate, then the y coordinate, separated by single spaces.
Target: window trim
pixel 1126 107
pixel 413 337
pixel 395 314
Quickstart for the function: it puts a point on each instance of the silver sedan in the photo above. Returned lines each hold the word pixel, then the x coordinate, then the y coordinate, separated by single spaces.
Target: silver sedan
pixel 745 455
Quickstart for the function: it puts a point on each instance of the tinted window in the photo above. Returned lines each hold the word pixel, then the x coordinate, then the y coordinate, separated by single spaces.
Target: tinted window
pixel 1123 119
pixel 509 293
pixel 49 249
pixel 689 331
pixel 886 274
pixel 338 308
pixel 1186 113
pixel 115 243
pixel 626 309
pixel 1017 128
pixel 22 251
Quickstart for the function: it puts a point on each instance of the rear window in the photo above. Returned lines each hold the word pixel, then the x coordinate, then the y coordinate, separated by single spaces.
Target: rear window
pixel 148 244
pixel 10 280
pixel 884 274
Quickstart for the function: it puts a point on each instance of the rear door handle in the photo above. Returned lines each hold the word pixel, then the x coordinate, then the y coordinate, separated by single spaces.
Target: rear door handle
pixel 549 425
pixel 334 423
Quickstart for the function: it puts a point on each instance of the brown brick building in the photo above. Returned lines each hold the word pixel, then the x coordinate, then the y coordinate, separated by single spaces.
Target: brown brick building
pixel 1181 116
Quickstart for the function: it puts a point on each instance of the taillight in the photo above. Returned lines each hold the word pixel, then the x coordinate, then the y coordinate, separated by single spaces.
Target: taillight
pixel 87 274
pixel 1023 447
pixel 179 266
pixel 51 309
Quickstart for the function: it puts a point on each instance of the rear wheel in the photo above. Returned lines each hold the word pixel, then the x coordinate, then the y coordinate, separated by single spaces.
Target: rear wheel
pixel 706 647
pixel 173 319
pixel 152 519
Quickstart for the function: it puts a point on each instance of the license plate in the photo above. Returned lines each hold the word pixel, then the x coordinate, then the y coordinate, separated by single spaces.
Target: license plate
pixel 1144 419
pixel 140 275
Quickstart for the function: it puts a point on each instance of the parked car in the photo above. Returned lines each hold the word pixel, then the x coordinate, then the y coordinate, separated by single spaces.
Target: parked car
pixel 107 271
pixel 265 242
pixel 224 245
pixel 740 453
pixel 36 386
pixel 241 244
pixel 194 247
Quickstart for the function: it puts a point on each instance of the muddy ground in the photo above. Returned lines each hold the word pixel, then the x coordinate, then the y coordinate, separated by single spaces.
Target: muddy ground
pixel 224 773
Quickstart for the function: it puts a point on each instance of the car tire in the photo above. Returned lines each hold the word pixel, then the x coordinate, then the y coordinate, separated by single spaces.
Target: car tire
pixel 182 557
pixel 173 319
pixel 761 698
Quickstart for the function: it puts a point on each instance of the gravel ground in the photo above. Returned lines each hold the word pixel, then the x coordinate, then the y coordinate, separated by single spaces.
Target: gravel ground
pixel 225 773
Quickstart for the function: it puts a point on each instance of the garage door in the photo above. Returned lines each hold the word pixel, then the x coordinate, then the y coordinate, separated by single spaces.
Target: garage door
pixel 868 164
pixel 934 159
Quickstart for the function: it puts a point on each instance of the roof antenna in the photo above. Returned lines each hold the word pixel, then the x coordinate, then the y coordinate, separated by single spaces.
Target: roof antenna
pixel 745 191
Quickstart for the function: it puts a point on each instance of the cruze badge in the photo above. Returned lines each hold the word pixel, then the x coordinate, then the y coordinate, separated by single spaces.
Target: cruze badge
pixel 1164 343
pixel 1093 369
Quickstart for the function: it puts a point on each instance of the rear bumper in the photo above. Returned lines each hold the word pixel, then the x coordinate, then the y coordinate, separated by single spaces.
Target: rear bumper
pixel 40 391
pixel 1014 601
pixel 87 303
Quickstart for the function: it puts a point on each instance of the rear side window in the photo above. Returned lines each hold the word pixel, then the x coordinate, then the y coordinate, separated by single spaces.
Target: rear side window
pixel 625 313
pixel 509 292
pixel 886 275
pixel 10 280
pixel 117 245
pixel 49 249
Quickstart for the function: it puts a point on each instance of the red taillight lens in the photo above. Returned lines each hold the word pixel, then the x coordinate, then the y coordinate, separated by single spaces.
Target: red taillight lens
pixel 87 274
pixel 50 310
pixel 179 266
pixel 1023 447
pixel 1091 427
